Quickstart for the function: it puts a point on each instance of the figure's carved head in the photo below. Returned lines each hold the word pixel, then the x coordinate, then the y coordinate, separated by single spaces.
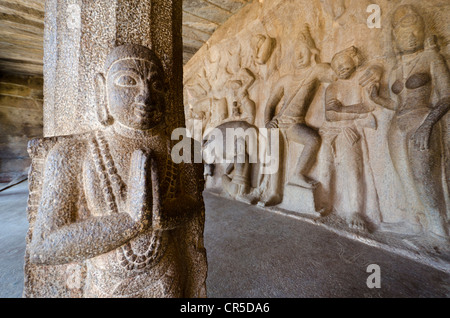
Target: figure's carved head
pixel 344 63
pixel 262 46
pixel 235 84
pixel 306 52
pixel 408 29
pixel 214 54
pixel 133 87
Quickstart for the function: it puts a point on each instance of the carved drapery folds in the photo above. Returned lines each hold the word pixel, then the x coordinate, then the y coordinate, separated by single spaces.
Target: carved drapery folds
pixel 362 112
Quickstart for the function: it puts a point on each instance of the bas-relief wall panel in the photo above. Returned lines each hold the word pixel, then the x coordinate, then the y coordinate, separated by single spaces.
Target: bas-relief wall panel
pixel 361 111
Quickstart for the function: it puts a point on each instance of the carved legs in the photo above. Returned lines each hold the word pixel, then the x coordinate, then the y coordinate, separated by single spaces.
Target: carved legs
pixel 427 173
pixel 349 185
pixel 421 175
pixel 302 134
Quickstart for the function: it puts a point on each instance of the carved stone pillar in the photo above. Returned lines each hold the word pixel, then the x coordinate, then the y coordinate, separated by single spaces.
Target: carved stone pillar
pixel 111 215
pixel 78 37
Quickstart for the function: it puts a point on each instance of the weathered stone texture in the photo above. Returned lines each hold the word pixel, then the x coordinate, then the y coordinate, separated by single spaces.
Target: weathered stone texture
pixel 113 87
pixel 86 45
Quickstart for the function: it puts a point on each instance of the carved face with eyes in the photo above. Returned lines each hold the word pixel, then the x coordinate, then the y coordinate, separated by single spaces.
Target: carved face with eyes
pixel 408 29
pixel 343 65
pixel 303 56
pixel 410 38
pixel 135 93
pixel 262 48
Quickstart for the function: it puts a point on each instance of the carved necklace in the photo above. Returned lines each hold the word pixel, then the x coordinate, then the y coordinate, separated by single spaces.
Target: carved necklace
pixel 113 187
pixel 414 61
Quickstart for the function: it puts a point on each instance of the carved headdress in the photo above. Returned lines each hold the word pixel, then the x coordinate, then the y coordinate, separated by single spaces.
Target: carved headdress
pixel 135 52
pixel 306 38
pixel 353 53
pixel 406 15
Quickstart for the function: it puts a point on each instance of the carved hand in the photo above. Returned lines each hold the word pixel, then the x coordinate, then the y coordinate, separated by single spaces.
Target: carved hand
pixel 373 91
pixel 138 190
pixel 335 105
pixel 371 76
pixel 272 124
pixel 421 137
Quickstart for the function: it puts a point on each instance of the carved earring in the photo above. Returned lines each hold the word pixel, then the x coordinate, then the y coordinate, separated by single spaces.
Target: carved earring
pixel 356 56
pixel 431 43
pixel 103 115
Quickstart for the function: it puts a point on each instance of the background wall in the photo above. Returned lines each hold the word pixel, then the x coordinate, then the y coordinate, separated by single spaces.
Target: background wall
pixel 21 83
pixel 334 26
pixel 21 101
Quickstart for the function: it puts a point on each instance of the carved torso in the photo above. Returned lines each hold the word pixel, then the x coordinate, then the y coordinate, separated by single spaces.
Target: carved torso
pixel 412 82
pixel 298 93
pixel 118 271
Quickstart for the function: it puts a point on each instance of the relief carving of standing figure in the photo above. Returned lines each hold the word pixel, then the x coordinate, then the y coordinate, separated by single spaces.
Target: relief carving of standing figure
pixel 114 199
pixel 240 95
pixel 420 89
pixel 347 113
pixel 298 91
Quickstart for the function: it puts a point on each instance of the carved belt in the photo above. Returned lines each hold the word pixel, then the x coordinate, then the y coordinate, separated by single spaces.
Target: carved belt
pixel 288 121
pixel 330 134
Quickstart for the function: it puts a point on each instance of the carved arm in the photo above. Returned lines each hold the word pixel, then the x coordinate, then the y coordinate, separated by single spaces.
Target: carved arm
pixel 58 237
pixel 441 81
pixel 272 104
pixel 335 111
pixel 373 92
pixel 421 137
pixel 178 209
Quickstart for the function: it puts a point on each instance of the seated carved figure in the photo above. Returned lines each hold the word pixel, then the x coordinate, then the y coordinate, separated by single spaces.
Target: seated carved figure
pixel 114 199
pixel 347 114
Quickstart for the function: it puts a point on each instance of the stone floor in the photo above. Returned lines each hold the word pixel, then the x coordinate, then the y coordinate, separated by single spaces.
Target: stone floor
pixel 13 229
pixel 256 253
